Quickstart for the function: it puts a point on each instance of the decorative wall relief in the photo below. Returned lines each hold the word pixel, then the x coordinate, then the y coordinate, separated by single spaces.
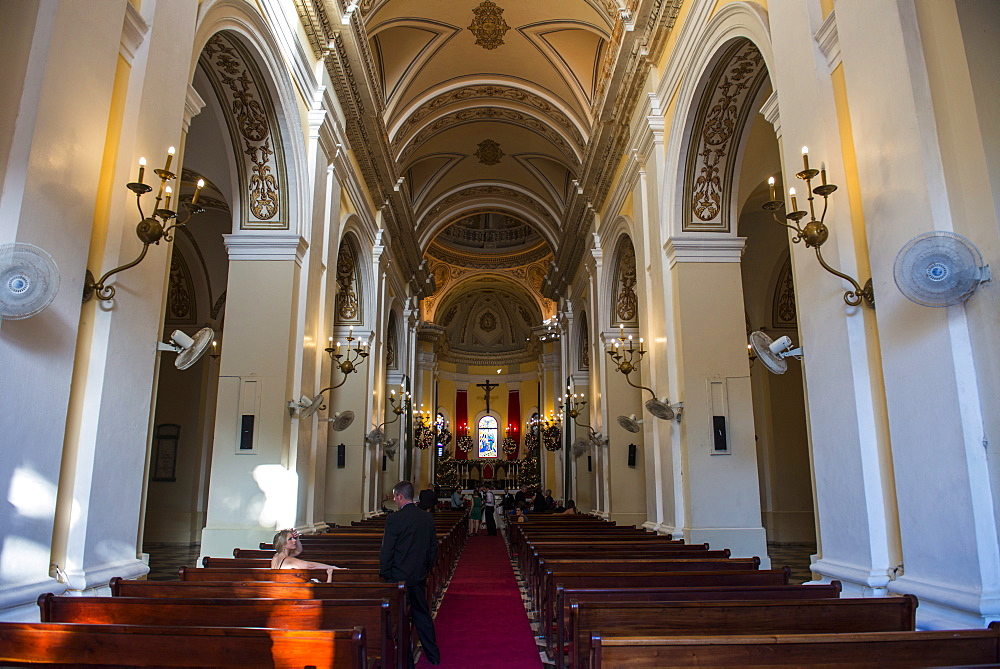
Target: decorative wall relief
pixel 181 300
pixel 253 126
pixel 625 302
pixel 488 25
pixel 390 343
pixel 784 314
pixel 583 353
pixel 723 115
pixel 348 285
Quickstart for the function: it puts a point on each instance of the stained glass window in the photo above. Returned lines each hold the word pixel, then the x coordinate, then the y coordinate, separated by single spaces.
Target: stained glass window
pixel 488 437
pixel 442 425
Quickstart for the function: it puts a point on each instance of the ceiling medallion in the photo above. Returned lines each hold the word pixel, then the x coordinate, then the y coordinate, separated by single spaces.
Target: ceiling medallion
pixel 488 26
pixel 487 322
pixel 489 152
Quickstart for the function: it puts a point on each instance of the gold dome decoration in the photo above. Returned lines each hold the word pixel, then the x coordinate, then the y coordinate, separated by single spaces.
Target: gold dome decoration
pixel 489 152
pixel 488 26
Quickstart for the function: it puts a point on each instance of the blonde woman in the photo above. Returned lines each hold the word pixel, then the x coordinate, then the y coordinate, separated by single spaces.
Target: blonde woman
pixel 286 550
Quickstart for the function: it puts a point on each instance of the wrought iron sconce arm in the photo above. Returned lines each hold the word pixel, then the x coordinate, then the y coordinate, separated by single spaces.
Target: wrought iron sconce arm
pixel 150 230
pixel 815 232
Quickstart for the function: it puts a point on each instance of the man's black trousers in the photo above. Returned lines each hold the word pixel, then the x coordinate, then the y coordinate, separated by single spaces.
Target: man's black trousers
pixel 423 622
pixel 491 520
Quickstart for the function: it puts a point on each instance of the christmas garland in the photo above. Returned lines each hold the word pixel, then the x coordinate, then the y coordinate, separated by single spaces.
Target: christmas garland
pixel 425 438
pixel 551 438
pixel 465 443
pixel 531 441
pixel 509 446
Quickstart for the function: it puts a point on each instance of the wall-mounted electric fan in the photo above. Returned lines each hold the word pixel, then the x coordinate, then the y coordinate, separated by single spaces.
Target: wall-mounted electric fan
pixel 29 281
pixel 939 269
pixel 306 406
pixel 630 423
pixel 341 420
pixel 774 353
pixel 189 349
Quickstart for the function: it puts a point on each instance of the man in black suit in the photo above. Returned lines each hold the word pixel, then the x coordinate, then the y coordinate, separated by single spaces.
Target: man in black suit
pixel 408 549
pixel 428 499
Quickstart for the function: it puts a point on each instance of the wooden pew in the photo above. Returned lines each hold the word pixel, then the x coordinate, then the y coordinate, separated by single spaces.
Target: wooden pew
pixel 317 555
pixel 556 634
pixel 637 560
pixel 976 647
pixel 394 592
pixel 823 616
pixel 538 582
pixel 265 563
pixel 277 575
pixel 373 615
pixel 675 579
pixel 70 644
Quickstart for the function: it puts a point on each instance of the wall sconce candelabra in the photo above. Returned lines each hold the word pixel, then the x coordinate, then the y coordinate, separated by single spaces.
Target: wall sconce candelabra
pixel 626 362
pixel 815 232
pixel 572 405
pixel 399 404
pixel 348 362
pixel 150 230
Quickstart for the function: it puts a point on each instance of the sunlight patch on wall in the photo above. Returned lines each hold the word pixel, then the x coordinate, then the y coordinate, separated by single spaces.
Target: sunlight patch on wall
pixel 33 496
pixel 280 487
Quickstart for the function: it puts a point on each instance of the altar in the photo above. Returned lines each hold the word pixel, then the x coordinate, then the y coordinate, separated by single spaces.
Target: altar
pixel 495 474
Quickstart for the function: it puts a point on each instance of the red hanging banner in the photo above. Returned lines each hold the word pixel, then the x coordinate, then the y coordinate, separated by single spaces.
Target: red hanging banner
pixel 514 421
pixel 461 422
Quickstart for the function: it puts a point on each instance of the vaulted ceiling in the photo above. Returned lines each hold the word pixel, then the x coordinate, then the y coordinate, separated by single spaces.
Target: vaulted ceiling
pixel 490 130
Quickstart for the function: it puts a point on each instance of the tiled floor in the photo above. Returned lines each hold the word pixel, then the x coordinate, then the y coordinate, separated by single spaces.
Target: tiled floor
pixel 164 561
pixel 796 556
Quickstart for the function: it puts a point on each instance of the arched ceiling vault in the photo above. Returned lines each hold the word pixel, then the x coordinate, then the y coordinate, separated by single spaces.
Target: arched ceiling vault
pixel 490 129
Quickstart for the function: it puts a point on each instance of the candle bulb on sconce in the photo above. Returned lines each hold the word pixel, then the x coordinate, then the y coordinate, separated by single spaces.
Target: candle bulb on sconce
pixel 170 157
pixel 805 157
pixel 142 171
pixel 197 191
pixel 791 192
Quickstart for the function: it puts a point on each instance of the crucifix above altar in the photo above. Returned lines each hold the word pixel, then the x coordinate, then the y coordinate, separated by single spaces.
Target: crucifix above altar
pixel 488 387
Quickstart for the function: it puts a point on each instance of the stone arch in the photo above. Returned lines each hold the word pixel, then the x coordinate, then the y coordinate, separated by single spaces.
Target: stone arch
pixel 735 29
pixel 274 96
pixel 623 301
pixel 353 296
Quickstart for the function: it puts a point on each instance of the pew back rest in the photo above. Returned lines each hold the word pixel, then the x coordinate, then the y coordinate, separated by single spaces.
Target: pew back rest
pixel 882 649
pixel 891 614
pixel 276 575
pixel 301 614
pixel 141 645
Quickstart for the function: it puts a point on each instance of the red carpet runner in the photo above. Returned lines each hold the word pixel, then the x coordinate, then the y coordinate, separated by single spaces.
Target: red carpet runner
pixel 481 623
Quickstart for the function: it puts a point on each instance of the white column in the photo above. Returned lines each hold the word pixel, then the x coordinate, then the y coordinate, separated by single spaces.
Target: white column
pixel 718 486
pixel 254 484
pixel 921 167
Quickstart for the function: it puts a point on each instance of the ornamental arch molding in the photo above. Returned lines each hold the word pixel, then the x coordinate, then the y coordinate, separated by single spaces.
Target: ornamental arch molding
pixel 239 56
pixel 624 301
pixel 352 283
pixel 735 43
pixel 499 197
